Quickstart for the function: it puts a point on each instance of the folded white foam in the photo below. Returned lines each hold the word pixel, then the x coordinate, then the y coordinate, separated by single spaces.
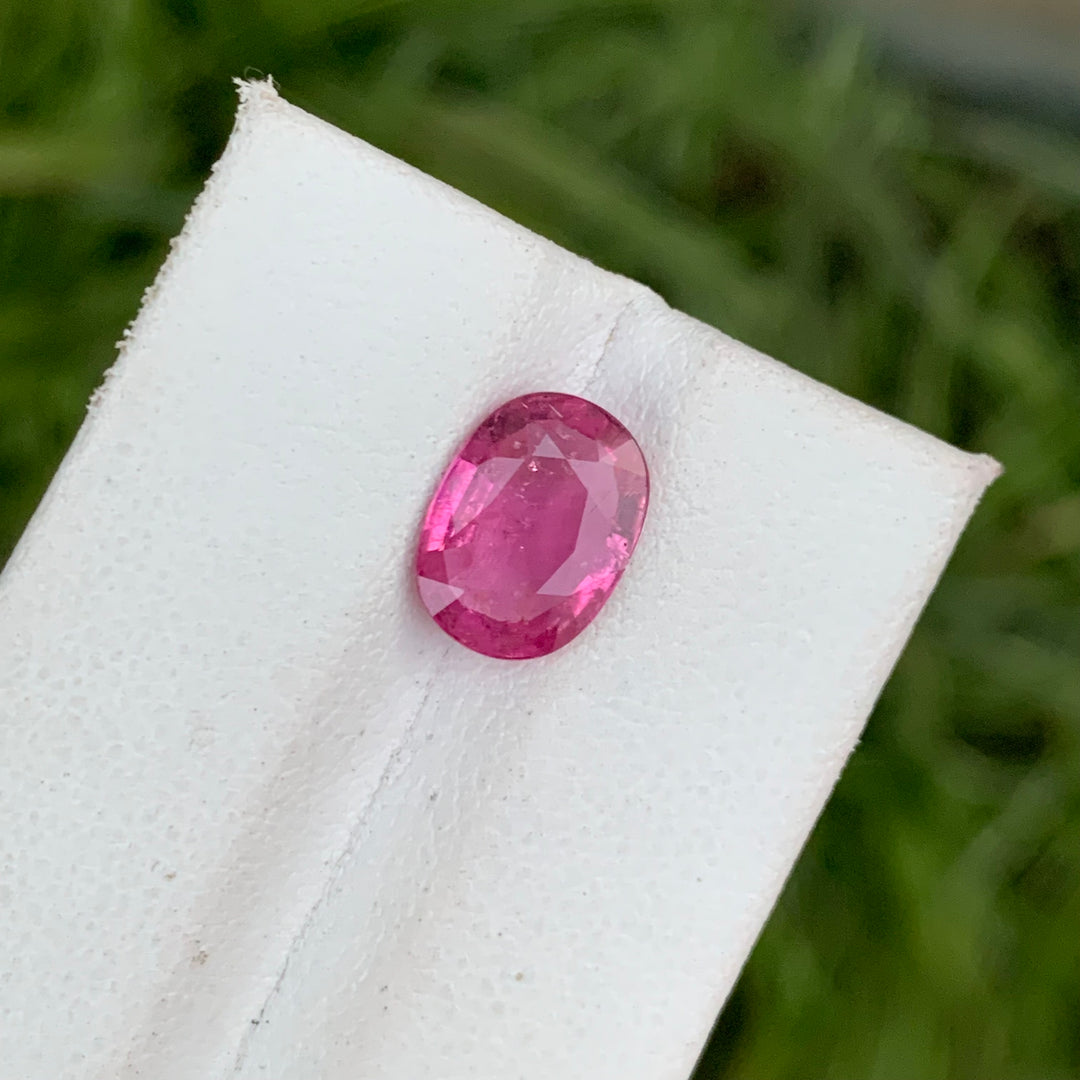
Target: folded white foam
pixel 261 817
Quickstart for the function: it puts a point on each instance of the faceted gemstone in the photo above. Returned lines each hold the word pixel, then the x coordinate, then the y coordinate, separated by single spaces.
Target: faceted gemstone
pixel 532 526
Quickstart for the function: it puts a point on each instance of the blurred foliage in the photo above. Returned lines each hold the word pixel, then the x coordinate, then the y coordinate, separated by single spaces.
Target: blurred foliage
pixel 758 171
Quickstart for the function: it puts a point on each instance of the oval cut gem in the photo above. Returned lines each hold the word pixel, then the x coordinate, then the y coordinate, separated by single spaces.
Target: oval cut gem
pixel 532 526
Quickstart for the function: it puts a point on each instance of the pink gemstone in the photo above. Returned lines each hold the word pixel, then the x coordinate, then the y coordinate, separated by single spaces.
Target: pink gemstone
pixel 532 526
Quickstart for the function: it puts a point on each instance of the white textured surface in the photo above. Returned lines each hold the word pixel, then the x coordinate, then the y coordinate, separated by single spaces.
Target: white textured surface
pixel 259 816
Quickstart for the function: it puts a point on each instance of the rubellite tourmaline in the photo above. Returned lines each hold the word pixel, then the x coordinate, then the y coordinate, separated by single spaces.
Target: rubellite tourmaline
pixel 532 526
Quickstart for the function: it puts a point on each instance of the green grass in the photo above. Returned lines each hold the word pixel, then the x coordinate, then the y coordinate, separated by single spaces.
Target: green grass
pixel 762 175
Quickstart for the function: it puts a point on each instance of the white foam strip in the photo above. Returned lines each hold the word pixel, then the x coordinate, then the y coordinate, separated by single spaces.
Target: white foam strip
pixel 261 817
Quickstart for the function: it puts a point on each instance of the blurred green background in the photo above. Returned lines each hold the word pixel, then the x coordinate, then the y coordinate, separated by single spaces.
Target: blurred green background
pixel 768 171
